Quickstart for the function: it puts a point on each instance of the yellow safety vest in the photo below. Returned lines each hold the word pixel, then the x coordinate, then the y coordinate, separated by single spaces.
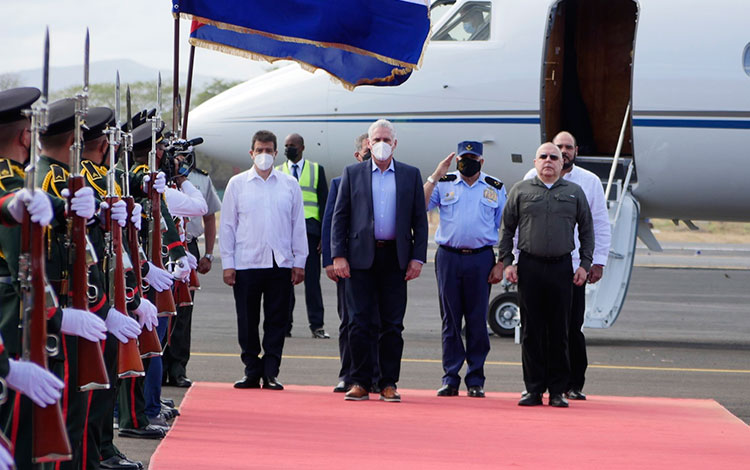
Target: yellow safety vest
pixel 308 182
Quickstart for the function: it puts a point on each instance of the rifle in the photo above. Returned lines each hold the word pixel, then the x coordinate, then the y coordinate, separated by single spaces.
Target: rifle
pixel 148 341
pixel 49 438
pixel 164 301
pixel 128 357
pixel 92 373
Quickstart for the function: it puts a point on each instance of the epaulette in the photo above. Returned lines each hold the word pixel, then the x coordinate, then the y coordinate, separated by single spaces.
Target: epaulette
pixel 94 177
pixel 202 172
pixel 497 184
pixel 448 178
pixel 5 171
pixel 57 174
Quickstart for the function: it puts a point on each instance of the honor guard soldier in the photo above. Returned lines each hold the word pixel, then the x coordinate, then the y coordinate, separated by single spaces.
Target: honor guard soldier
pixel 101 450
pixel 471 204
pixel 147 425
pixel 312 180
pixel 545 210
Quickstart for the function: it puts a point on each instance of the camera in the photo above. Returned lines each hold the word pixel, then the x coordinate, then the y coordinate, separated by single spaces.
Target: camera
pixel 179 157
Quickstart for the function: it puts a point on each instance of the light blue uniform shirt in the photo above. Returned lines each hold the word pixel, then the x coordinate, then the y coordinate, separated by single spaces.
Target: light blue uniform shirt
pixel 470 216
pixel 384 202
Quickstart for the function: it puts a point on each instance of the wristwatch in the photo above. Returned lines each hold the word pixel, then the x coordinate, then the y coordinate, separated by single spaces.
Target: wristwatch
pixel 209 257
pixel 430 179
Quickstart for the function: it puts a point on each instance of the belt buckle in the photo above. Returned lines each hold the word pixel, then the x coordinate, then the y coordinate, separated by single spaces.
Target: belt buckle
pixel 466 251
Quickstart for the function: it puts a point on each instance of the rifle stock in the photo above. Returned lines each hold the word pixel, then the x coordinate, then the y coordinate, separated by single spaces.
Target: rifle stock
pixel 148 341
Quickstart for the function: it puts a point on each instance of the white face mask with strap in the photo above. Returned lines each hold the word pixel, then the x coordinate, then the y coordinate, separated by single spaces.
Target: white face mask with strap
pixel 263 161
pixel 381 151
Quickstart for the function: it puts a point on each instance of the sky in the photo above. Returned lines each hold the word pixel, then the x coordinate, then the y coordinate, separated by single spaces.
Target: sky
pixel 140 30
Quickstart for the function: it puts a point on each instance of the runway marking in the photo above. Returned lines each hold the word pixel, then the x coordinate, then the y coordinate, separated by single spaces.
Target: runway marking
pixel 515 364
pixel 679 266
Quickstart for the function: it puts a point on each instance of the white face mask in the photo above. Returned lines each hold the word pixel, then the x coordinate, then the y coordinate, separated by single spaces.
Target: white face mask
pixel 381 151
pixel 263 161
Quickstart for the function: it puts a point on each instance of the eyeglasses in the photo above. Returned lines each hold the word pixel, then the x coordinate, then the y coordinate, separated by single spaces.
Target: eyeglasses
pixel 551 156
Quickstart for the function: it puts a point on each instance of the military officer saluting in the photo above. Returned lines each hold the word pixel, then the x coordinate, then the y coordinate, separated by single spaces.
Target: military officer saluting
pixel 471 205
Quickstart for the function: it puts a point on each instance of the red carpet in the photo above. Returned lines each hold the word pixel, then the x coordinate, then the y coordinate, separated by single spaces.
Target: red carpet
pixel 311 427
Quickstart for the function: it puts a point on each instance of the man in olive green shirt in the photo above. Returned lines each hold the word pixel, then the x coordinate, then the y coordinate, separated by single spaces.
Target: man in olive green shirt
pixel 545 210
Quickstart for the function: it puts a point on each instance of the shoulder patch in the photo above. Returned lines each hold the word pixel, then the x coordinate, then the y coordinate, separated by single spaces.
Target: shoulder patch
pixel 497 184
pixel 448 178
pixel 5 170
pixel 94 177
pixel 140 169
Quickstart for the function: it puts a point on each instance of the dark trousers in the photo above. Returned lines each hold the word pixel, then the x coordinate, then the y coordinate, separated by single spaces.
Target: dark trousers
pixel 376 301
pixel 344 349
pixel 464 295
pixel 576 341
pixel 154 369
pixel 177 353
pixel 274 286
pixel 313 294
pixel 545 290
pixel 99 431
pixel 74 403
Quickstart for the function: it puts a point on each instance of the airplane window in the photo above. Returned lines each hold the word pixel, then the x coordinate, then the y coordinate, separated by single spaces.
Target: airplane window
pixel 439 8
pixel 470 23
pixel 746 60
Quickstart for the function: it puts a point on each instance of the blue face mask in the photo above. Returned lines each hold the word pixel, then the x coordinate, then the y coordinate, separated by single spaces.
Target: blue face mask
pixel 470 28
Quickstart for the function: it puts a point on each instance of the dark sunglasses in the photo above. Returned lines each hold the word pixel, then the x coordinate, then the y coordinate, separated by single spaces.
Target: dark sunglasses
pixel 551 156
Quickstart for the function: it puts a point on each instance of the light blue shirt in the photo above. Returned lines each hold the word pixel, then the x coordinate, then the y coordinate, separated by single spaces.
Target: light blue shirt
pixel 384 202
pixel 470 216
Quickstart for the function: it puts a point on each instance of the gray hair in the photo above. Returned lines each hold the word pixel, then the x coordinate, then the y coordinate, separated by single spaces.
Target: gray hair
pixel 382 123
pixel 358 142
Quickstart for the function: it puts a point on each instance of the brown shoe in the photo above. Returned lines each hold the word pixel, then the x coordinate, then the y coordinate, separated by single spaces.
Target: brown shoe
pixel 389 393
pixel 357 393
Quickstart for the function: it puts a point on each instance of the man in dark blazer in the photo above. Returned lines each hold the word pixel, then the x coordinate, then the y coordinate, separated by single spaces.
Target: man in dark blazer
pixel 378 242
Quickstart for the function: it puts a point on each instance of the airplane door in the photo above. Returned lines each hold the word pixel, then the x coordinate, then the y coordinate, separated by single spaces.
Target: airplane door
pixel 604 299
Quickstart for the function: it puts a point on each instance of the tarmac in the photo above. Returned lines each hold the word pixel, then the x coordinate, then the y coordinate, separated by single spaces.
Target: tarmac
pixel 684 331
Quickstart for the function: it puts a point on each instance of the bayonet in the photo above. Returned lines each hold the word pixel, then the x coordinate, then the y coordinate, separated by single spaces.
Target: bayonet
pixel 117 99
pixel 86 64
pixel 177 112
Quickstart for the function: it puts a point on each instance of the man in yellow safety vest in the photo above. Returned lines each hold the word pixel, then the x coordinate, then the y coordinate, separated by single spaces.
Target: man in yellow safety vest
pixel 312 181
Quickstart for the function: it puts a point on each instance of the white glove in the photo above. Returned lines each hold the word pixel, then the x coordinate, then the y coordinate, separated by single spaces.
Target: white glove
pixel 83 203
pixel 38 205
pixel 135 216
pixel 192 261
pixel 181 269
pixel 40 385
pixel 147 315
pixel 6 460
pixel 160 184
pixel 122 326
pixel 158 278
pixel 119 212
pixel 84 324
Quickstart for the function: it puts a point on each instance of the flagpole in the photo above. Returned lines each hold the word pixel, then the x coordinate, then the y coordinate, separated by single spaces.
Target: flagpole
pixel 176 72
pixel 187 92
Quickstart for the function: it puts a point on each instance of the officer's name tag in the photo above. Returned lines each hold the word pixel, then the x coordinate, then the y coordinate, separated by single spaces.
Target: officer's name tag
pixel 490 195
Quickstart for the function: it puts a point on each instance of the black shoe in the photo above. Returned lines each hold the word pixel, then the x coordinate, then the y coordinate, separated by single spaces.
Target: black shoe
pixel 375 388
pixel 181 381
pixel 119 461
pixel 149 432
pixel 167 401
pixel 574 394
pixel 341 387
pixel 159 421
pixel 288 334
pixel 247 382
pixel 476 391
pixel 320 333
pixel 271 383
pixel 557 400
pixel 531 399
pixel 447 391
pixel 169 413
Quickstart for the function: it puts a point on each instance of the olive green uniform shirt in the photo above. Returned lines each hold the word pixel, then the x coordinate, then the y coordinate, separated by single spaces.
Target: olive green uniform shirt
pixel 546 219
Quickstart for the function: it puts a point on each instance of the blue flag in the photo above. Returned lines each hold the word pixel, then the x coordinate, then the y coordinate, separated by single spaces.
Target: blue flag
pixel 360 42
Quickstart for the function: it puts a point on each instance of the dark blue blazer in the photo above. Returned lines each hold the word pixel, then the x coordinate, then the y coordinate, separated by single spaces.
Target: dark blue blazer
pixel 353 227
pixel 325 237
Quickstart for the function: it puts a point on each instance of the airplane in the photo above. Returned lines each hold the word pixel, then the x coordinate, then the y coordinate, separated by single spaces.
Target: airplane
pixel 511 74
